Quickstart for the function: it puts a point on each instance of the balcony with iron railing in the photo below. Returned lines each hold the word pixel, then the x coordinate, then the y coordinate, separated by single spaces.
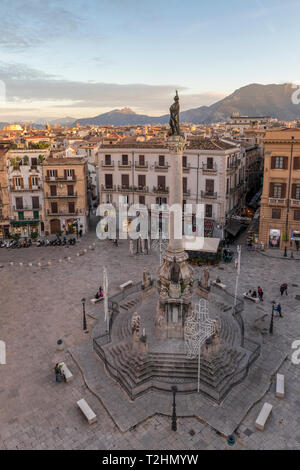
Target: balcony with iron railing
pixel 26 219
pixel 108 188
pixel 163 167
pixel 209 168
pixel 138 166
pixel 60 179
pixel 64 212
pixel 209 195
pixel 124 165
pixel 124 188
pixel 27 207
pixel 295 202
pixel 107 165
pixel 59 196
pixel 141 189
pixel 233 165
pixel 275 201
pixel 19 189
pixel 160 190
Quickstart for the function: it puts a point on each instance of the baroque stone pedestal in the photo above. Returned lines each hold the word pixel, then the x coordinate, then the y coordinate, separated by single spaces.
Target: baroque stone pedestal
pixel 175 283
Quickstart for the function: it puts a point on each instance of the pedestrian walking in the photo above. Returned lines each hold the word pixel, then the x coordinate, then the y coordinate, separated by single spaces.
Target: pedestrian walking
pixel 278 309
pixel 283 289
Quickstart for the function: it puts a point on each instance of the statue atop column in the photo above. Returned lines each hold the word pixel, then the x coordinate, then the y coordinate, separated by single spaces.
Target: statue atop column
pixel 174 116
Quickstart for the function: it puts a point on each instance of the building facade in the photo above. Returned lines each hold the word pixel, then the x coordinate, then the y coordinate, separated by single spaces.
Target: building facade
pixel 213 175
pixel 280 204
pixel 65 193
pixel 24 170
pixel 5 206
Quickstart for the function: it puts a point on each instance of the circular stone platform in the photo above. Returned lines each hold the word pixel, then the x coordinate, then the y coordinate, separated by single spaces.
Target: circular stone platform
pixel 155 363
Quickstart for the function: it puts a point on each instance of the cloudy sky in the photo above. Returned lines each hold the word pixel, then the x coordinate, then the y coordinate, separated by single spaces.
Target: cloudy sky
pixel 80 58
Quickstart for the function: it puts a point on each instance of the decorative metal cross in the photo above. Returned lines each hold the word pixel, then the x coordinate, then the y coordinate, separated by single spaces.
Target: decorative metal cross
pixel 160 245
pixel 198 328
pixel 105 295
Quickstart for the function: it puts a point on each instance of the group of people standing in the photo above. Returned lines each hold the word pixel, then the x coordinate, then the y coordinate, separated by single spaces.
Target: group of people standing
pixel 256 294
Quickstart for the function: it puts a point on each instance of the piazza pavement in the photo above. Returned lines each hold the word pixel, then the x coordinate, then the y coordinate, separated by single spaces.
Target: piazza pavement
pixel 41 304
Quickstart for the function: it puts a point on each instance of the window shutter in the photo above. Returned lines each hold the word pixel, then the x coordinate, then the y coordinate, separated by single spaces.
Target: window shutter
pixel 285 163
pixel 271 194
pixel 294 191
pixel 22 183
pixel 73 174
pixel 297 163
pixel 273 163
pixel 14 183
pixel 30 182
pixel 48 174
pixel 65 174
pixel 55 173
pixel 283 190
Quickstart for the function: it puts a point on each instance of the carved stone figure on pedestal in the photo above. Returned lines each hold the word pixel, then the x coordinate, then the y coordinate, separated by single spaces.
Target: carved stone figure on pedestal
pixel 146 279
pixel 136 327
pixel 131 249
pixel 175 272
pixel 205 278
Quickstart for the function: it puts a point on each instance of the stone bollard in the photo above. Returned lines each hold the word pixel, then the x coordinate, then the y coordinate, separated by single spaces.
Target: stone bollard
pixel 94 244
pixel 21 264
pixel 69 258
pixel 60 260
pixel 49 263
pixel 85 250
pixel 11 263
pixel 30 264
pixel 40 265
pixel 90 247
pixel 77 254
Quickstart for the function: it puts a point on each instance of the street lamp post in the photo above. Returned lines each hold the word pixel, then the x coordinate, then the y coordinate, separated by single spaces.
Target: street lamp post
pixel 174 416
pixel 272 319
pixel 83 312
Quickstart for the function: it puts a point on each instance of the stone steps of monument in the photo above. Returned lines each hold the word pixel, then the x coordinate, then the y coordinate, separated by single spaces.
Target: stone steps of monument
pixel 129 304
pixel 230 332
pixel 138 373
pixel 138 369
pixel 124 329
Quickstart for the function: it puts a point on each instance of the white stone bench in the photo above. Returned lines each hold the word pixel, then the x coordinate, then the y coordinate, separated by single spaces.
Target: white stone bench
pixel 253 299
pixel 87 411
pixel 126 284
pixel 263 417
pixel 66 372
pixel 279 386
pixel 95 301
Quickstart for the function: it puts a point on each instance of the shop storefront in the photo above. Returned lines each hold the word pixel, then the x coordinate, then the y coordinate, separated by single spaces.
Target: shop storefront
pixel 295 237
pixel 208 228
pixel 4 230
pixel 71 226
pixel 25 228
pixel 274 238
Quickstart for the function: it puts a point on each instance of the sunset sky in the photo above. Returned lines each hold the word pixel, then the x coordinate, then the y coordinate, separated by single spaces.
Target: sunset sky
pixel 80 58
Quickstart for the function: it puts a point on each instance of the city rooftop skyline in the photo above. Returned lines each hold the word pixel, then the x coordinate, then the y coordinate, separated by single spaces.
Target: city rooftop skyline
pixel 82 58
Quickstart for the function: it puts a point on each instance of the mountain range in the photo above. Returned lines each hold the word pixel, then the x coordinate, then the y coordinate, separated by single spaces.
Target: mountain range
pixel 251 100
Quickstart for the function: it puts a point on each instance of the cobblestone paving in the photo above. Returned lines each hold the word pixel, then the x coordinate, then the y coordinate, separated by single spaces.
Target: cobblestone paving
pixel 41 305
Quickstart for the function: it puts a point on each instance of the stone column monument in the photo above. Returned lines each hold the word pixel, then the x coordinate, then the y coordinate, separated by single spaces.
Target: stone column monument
pixel 175 275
